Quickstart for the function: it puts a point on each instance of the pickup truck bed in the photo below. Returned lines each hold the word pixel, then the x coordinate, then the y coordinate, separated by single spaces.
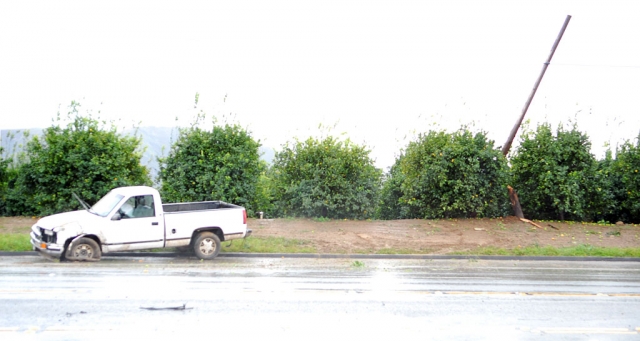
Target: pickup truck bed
pixel 181 226
pixel 196 206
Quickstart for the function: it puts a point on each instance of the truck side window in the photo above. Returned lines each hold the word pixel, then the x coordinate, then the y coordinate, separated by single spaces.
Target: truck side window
pixel 126 211
pixel 144 207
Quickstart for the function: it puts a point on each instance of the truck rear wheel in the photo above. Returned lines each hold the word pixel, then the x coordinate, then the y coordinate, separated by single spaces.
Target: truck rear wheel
pixel 206 245
pixel 84 249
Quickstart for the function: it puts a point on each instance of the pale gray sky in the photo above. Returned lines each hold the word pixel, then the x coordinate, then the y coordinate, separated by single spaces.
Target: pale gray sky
pixel 381 70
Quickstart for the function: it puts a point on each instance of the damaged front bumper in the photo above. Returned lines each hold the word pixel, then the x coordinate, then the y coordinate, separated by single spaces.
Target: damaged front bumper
pixel 45 242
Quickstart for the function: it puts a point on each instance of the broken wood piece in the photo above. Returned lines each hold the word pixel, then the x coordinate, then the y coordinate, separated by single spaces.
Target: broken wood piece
pixel 553 227
pixel 479 229
pixel 183 307
pixel 531 222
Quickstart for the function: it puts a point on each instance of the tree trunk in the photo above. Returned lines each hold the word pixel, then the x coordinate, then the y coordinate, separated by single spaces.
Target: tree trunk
pixel 515 203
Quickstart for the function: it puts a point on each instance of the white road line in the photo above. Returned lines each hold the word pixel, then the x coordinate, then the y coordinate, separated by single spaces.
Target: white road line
pixel 578 330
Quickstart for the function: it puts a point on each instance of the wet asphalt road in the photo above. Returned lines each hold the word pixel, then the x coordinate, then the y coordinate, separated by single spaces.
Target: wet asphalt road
pixel 318 299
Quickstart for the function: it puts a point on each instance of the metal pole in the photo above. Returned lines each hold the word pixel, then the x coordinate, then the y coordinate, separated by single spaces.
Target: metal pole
pixel 514 131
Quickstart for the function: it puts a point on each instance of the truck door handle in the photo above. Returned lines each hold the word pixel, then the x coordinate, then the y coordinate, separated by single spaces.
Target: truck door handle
pixel 154 223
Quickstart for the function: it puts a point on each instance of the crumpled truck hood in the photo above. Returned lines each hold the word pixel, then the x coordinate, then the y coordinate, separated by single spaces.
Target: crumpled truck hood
pixel 62 219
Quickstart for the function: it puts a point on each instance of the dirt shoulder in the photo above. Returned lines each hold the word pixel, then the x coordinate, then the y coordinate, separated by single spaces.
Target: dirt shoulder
pixel 422 236
pixel 442 236
pixel 16 224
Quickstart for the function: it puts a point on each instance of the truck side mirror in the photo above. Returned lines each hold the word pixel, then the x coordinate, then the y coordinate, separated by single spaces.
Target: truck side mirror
pixel 116 216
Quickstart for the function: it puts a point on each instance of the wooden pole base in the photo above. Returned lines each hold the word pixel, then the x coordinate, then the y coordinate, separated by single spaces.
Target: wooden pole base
pixel 515 203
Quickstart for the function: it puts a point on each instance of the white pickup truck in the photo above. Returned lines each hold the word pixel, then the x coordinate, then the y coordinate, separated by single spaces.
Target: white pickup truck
pixel 134 218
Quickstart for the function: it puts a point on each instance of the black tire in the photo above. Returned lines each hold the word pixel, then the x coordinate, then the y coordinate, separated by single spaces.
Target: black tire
pixel 206 245
pixel 84 249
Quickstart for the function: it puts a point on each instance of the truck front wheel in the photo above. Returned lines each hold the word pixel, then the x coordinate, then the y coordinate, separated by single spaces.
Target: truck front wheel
pixel 84 249
pixel 206 245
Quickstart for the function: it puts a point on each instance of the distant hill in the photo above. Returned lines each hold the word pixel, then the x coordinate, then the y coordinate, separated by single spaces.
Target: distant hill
pixel 155 140
pixel 157 143
pixel 13 141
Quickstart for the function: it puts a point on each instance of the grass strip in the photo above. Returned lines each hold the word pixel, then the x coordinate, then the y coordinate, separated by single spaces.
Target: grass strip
pixel 583 250
pixel 15 242
pixel 268 245
pixel 20 242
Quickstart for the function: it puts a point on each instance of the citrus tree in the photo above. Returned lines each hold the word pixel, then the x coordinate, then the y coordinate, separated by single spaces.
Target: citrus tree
pixel 446 175
pixel 82 156
pixel 626 186
pixel 325 177
pixel 556 175
pixel 218 164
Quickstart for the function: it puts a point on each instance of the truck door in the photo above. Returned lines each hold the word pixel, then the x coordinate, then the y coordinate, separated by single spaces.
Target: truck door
pixel 137 224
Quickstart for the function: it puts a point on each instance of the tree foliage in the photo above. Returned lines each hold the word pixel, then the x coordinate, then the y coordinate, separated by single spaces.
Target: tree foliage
pixel 389 206
pixel 4 178
pixel 83 157
pixel 325 178
pixel 446 175
pixel 556 175
pixel 218 164
pixel 626 183
pixel 264 201
pixel 604 191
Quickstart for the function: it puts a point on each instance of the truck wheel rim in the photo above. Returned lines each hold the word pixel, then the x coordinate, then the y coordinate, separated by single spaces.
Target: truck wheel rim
pixel 83 251
pixel 207 246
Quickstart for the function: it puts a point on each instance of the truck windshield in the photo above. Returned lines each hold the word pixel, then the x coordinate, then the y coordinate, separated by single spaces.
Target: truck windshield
pixel 106 204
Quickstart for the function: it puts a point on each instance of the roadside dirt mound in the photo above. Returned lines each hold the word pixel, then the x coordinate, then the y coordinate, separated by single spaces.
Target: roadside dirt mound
pixel 441 236
pixel 421 236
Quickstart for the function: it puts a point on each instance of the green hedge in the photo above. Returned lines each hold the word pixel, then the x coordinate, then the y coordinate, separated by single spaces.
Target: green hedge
pixel 439 175
pixel 83 156
pixel 444 175
pixel 218 164
pixel 556 176
pixel 325 178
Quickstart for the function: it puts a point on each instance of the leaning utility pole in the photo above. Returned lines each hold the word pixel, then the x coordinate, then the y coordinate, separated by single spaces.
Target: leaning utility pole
pixel 514 131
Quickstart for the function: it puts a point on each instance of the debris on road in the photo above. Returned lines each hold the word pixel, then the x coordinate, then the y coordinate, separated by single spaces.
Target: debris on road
pixel 183 307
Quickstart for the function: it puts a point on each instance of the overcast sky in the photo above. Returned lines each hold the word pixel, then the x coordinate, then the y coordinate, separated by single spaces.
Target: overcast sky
pixel 380 71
